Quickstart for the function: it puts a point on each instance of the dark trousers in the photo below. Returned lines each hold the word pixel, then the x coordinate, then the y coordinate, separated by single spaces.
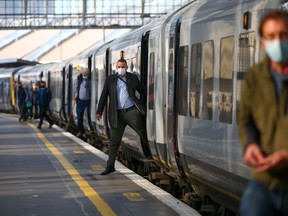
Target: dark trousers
pixel 43 113
pixel 36 110
pixel 23 109
pixel 81 105
pixel 135 120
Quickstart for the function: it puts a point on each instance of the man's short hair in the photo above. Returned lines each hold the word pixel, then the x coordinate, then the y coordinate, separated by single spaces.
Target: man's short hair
pixel 274 15
pixel 122 60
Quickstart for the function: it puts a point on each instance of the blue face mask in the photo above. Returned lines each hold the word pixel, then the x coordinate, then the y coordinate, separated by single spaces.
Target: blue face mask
pixel 84 77
pixel 277 50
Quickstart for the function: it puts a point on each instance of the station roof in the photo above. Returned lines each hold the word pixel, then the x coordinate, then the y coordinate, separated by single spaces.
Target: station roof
pixel 15 62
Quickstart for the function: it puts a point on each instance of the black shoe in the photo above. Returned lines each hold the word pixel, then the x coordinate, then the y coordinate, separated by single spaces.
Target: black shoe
pixel 108 170
pixel 50 125
pixel 19 119
pixel 39 127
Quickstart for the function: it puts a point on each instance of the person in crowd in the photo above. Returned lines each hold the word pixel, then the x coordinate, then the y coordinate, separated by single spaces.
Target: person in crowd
pixel 82 97
pixel 22 99
pixel 263 122
pixel 35 100
pixel 45 97
pixel 29 103
pixel 121 88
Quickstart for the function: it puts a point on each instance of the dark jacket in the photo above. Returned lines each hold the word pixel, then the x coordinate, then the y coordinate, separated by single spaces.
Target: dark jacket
pixel 264 116
pixel 21 94
pixel 47 96
pixel 109 89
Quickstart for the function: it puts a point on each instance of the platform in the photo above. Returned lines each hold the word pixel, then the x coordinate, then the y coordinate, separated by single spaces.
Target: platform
pixel 52 172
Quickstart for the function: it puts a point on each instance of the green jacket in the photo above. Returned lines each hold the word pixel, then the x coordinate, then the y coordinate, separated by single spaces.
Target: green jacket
pixel 260 107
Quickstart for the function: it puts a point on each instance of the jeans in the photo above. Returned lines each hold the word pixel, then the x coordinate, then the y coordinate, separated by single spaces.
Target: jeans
pixel 81 105
pixel 258 200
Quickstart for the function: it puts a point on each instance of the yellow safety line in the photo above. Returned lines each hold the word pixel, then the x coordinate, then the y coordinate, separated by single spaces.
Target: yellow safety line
pixel 89 192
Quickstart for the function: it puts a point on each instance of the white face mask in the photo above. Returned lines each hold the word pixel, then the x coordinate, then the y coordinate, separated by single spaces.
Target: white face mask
pixel 277 50
pixel 121 71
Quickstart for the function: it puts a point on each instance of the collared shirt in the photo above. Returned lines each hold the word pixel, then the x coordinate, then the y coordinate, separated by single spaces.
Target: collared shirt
pixel 84 89
pixel 123 99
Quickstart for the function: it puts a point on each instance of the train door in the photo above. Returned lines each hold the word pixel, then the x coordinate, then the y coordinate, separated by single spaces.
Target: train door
pixel 143 49
pixel 63 115
pixel 173 86
pixel 69 92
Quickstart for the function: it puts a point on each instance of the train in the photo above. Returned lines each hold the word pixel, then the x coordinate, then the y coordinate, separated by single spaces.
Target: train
pixel 193 62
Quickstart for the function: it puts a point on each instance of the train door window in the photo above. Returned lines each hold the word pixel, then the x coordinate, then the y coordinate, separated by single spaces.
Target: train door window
pixel 182 86
pixel 195 80
pixel 246 59
pixel 151 80
pixel 208 80
pixel 226 79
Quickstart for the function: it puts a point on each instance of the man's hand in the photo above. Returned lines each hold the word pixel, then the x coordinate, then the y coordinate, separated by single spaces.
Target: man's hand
pixel 76 98
pixel 253 155
pixel 275 161
pixel 98 117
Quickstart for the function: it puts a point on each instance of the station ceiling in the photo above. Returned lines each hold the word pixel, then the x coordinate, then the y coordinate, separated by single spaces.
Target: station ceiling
pixel 61 14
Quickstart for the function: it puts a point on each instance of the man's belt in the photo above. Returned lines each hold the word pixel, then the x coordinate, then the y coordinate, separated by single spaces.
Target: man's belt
pixel 126 110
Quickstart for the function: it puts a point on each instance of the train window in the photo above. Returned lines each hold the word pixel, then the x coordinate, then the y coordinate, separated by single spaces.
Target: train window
pixel 246 59
pixel 151 81
pixel 182 80
pixel 208 80
pixel 195 80
pixel 226 80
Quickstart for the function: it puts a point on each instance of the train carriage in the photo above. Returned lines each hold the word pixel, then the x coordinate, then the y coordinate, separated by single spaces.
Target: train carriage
pixel 8 89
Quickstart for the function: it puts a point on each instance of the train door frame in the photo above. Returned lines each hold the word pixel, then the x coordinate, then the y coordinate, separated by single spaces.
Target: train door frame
pixel 144 62
pixel 63 73
pixel 49 79
pixel 69 91
pixel 172 113
pixel 89 110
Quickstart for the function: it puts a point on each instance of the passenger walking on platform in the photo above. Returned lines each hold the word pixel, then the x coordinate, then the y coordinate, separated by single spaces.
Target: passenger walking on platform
pixel 45 97
pixel 263 122
pixel 35 100
pixel 22 99
pixel 82 97
pixel 120 88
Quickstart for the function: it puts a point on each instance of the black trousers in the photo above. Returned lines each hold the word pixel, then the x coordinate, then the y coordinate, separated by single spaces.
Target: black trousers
pixel 43 113
pixel 135 120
